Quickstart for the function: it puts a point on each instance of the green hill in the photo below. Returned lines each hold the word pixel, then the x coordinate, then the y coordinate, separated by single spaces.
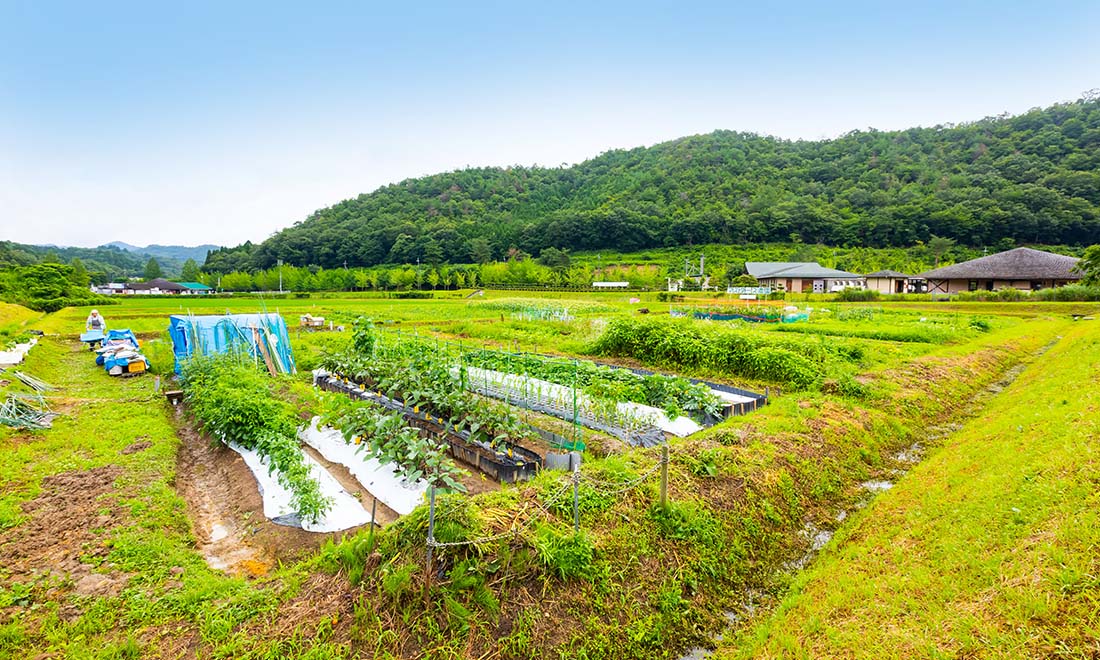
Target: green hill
pixel 1031 178
pixel 111 262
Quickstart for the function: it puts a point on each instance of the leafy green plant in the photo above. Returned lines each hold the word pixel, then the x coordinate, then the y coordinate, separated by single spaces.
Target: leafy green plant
pixel 567 555
pixel 235 403
pixel 386 438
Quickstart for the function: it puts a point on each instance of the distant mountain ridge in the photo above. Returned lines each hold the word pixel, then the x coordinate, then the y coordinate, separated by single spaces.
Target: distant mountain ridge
pixel 178 253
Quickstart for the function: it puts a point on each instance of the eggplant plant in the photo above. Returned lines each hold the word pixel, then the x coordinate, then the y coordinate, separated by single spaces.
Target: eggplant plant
pixel 386 438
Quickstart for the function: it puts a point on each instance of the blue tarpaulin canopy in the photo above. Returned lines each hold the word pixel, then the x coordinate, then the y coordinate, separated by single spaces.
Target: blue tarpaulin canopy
pixel 264 336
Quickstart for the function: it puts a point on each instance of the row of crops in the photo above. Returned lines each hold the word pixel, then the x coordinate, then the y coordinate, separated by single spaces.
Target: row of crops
pixel 763 356
pixel 245 409
pixel 635 407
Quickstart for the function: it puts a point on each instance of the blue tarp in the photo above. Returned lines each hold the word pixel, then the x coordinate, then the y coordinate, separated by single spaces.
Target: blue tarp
pixel 120 347
pixel 232 332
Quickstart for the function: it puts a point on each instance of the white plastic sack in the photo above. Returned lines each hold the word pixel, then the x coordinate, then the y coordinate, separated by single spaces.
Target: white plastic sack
pixel 346 511
pixel 379 480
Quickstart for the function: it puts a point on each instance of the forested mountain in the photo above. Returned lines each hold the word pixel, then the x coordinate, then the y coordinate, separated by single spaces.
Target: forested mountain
pixel 168 254
pixel 1032 178
pixel 111 262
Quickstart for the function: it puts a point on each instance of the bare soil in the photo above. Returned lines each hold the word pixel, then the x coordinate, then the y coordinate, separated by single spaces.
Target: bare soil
pixel 62 539
pixel 226 509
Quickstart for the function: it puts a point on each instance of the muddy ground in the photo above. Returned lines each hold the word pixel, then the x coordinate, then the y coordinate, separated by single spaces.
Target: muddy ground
pixel 226 510
pixel 63 536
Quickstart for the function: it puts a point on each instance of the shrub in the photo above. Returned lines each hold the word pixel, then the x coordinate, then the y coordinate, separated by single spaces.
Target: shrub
pixel 235 403
pixel 857 295
pixel 566 555
pixel 763 356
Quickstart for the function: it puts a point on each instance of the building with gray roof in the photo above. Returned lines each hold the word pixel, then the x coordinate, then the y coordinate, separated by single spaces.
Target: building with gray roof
pixel 1023 268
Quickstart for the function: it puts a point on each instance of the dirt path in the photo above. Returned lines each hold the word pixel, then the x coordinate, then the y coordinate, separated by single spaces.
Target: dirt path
pixel 226 509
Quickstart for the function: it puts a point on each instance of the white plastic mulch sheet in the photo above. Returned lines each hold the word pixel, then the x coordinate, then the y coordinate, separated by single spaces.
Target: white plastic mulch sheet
pixel 542 389
pixel 379 480
pixel 345 512
pixel 730 397
pixel 17 353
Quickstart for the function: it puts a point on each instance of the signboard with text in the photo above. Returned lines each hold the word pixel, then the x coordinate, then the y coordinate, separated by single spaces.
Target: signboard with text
pixel 749 290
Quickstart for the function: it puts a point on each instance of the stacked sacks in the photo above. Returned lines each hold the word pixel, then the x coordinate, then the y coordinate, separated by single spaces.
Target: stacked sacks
pixel 120 354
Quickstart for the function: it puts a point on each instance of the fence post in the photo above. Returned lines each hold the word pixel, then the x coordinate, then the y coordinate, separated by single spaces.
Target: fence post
pixel 431 529
pixel 664 476
pixel 576 503
pixel 767 394
pixel 370 536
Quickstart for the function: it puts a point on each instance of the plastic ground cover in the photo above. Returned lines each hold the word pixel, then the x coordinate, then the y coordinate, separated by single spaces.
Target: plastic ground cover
pixel 546 392
pixel 379 480
pixel 346 511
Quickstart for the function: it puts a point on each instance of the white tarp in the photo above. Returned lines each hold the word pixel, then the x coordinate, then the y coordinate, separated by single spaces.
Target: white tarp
pixel 16 354
pixel 379 480
pixel 345 512
pixel 547 391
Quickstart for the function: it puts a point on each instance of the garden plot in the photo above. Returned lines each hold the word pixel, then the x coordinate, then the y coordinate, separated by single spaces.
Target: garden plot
pixel 507 462
pixel 345 511
pixel 633 422
pixel 15 354
pixel 381 481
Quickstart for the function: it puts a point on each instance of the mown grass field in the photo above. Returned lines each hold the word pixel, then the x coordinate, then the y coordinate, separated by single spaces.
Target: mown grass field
pixel 114 571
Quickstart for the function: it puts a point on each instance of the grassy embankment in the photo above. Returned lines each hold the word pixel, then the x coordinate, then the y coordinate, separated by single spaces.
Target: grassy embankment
pixel 654 584
pixel 989 548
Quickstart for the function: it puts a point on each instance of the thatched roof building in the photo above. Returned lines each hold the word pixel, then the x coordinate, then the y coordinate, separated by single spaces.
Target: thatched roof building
pixel 1022 268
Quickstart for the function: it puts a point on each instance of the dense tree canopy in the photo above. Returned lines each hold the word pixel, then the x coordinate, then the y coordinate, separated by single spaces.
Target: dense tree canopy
pixel 1032 178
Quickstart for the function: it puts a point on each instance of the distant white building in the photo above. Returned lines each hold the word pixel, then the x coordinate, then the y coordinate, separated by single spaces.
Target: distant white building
pixel 802 276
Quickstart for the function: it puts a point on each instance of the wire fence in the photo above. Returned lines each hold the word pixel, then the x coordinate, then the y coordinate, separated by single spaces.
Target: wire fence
pixel 600 487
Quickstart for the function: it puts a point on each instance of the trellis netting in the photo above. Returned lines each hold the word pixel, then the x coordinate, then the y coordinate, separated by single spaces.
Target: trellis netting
pixel 263 336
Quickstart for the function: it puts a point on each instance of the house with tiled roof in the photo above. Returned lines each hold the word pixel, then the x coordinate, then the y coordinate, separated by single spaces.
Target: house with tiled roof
pixel 1024 268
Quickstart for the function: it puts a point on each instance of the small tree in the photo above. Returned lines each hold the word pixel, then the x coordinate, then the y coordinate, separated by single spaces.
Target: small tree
pixel 152 269
pixel 191 271
pixel 1090 266
pixel 939 246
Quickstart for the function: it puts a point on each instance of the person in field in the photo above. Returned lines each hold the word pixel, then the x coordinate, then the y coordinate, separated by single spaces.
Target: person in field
pixel 95 322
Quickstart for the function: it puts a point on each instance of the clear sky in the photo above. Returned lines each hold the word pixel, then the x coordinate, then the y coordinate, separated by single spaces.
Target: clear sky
pixel 194 122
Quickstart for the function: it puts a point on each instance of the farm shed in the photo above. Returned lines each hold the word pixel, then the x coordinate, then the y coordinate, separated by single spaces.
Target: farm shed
pixel 1023 268
pixel 802 276
pixel 264 336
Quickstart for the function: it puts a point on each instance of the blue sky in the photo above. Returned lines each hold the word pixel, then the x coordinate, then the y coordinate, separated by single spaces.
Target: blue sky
pixel 220 122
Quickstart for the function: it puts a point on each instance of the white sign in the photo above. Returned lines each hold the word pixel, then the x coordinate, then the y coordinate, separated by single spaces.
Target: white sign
pixel 750 290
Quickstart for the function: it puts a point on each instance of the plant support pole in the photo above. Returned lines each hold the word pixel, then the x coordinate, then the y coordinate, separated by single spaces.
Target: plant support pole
pixel 431 529
pixel 576 505
pixel 664 476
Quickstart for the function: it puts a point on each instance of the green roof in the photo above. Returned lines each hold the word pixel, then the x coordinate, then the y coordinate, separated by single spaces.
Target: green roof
pixel 195 286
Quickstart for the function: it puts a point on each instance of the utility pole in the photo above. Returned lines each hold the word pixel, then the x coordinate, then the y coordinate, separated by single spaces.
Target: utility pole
pixel 280 276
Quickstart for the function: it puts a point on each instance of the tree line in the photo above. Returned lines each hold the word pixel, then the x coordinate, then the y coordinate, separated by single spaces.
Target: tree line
pixel 1032 178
